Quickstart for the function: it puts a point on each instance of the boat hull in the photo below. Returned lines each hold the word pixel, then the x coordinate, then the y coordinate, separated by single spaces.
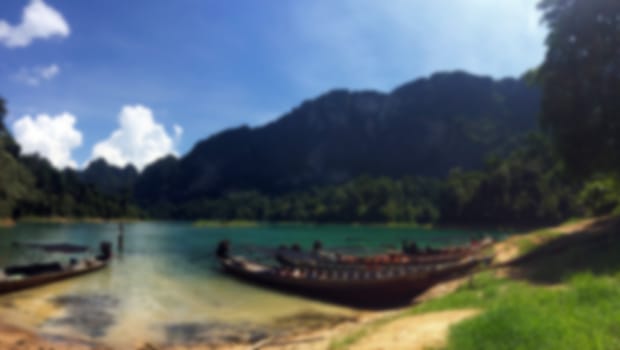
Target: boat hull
pixel 9 286
pixel 360 293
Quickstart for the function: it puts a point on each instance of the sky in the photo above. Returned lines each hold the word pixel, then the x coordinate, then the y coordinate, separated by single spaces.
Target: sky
pixel 132 81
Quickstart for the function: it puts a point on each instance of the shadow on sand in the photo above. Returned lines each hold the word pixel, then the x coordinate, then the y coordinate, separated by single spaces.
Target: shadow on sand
pixel 89 314
pixel 595 249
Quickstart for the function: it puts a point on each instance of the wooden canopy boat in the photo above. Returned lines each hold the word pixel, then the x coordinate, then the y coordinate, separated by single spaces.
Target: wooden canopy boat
pixel 320 258
pixel 382 287
pixel 16 278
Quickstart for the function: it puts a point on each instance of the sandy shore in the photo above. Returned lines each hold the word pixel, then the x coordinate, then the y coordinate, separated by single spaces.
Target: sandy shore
pixel 6 222
pixel 14 338
pixel 300 332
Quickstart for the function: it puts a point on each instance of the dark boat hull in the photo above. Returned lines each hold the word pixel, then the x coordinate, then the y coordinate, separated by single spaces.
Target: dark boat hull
pixel 9 286
pixel 361 293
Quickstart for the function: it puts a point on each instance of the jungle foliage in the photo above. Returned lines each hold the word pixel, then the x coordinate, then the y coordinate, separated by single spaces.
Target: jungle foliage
pixel 30 186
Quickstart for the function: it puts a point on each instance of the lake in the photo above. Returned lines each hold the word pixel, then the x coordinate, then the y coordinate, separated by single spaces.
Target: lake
pixel 166 282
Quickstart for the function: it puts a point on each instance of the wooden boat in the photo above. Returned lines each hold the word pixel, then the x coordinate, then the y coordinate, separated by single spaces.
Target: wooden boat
pixel 10 284
pixel 371 288
pixel 320 258
pixel 18 278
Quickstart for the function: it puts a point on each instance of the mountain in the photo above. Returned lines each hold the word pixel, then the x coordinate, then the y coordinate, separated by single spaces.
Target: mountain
pixel 16 182
pixel 425 128
pixel 110 179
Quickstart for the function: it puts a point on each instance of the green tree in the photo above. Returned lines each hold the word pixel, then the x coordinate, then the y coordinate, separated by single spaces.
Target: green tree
pixel 2 114
pixel 580 81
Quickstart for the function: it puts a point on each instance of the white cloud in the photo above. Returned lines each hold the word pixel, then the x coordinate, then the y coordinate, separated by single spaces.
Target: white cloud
pixel 50 71
pixel 53 137
pixel 139 140
pixel 39 21
pixel 178 131
pixel 34 76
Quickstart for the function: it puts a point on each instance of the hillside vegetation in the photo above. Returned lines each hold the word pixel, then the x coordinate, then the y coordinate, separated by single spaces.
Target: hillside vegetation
pixel 452 149
pixel 30 186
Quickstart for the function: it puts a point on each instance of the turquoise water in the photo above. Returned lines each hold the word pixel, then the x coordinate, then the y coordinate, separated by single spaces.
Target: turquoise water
pixel 167 276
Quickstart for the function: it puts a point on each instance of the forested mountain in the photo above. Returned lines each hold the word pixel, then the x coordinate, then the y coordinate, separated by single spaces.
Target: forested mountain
pixel 423 128
pixel 526 187
pixel 109 179
pixel 454 148
pixel 16 182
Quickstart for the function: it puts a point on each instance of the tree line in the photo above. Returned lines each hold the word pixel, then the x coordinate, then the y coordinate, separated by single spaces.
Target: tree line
pixel 570 168
pixel 528 187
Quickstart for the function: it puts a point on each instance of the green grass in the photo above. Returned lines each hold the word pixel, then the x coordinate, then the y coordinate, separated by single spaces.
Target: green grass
pixel 483 288
pixel 574 220
pixel 569 299
pixel 584 313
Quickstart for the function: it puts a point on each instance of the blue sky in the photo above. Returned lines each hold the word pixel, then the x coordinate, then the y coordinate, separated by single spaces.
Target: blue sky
pixel 132 80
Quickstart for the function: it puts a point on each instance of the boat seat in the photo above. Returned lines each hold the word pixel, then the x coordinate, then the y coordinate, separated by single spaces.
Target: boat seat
pixel 250 266
pixel 32 270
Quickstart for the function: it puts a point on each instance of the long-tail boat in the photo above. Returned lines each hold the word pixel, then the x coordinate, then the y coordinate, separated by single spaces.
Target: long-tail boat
pixel 320 258
pixel 377 287
pixel 16 278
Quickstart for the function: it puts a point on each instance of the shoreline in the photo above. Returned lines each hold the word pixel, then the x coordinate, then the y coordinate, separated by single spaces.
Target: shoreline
pixel 299 331
pixel 7 223
pixel 384 327
pixel 208 223
pixel 67 220
pixel 13 337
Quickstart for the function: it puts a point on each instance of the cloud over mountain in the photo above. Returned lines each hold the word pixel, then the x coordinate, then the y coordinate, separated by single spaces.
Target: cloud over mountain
pixel 139 140
pixel 52 137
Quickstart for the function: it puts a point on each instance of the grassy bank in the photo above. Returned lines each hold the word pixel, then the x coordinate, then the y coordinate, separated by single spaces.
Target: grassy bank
pixel 582 315
pixel 560 291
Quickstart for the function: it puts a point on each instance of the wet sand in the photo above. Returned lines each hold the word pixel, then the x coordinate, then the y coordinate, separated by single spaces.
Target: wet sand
pixel 309 330
pixel 14 338
pixel 312 331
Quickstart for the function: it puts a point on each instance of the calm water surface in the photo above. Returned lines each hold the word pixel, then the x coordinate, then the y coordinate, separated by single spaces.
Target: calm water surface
pixel 167 276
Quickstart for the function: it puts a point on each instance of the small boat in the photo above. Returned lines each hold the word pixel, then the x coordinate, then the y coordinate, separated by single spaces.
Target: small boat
pixel 16 278
pixel 373 288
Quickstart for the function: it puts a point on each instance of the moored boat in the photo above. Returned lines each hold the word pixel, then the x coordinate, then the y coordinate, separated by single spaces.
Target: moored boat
pixel 378 287
pixel 16 278
pixel 321 258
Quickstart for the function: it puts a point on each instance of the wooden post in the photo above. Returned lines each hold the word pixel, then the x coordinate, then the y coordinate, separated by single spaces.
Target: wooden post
pixel 121 238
